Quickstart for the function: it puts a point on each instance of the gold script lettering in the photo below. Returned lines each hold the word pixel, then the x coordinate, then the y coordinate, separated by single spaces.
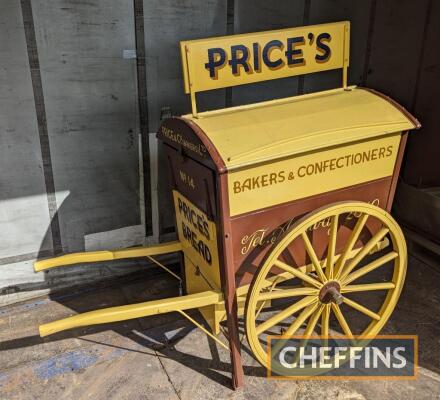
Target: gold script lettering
pixel 259 237
pixel 253 240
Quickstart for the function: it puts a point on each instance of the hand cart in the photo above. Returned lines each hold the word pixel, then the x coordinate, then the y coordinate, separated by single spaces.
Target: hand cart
pixel 278 201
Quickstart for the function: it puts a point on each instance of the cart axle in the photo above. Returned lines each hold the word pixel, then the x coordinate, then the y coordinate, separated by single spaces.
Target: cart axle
pixel 331 293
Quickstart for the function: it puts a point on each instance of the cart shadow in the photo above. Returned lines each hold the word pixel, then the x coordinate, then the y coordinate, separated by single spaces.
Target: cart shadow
pixel 217 367
pixel 154 340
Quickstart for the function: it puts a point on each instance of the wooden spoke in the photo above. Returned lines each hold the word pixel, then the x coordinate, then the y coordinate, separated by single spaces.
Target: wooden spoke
pixel 361 308
pixel 332 247
pixel 289 287
pixel 341 319
pixel 291 330
pixel 370 267
pixel 298 274
pixel 325 320
pixel 368 287
pixel 263 303
pixel 282 315
pixel 313 321
pixel 311 252
pixel 281 294
pixel 309 330
pixel 354 236
pixel 268 282
pixel 365 250
pixel 301 319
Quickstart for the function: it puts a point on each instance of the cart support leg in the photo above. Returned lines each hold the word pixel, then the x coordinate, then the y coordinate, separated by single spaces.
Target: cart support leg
pixel 229 288
pixel 234 343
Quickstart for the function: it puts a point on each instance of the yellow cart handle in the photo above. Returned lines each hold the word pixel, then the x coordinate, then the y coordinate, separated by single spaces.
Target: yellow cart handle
pixel 122 313
pixel 96 256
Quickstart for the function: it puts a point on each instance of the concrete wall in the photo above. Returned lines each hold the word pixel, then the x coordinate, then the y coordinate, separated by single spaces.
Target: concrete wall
pixel 80 167
pixel 24 215
pixel 69 156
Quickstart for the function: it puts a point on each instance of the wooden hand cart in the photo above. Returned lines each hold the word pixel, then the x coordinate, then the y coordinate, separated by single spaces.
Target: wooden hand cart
pixel 280 202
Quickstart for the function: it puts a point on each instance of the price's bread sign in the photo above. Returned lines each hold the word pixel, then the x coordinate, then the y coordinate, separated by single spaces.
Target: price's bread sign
pixel 239 59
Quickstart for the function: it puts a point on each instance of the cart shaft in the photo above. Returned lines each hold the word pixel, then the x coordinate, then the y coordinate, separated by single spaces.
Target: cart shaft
pixel 96 256
pixel 122 313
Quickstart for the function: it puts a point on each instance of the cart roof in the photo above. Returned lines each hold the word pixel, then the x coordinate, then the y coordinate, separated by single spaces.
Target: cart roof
pixel 260 132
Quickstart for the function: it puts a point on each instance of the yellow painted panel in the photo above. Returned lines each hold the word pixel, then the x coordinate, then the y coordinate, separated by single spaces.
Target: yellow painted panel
pixel 248 58
pixel 310 174
pixel 263 132
pixel 198 237
pixel 196 284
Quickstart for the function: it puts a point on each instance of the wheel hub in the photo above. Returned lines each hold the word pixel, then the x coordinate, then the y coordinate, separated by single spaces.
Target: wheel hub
pixel 331 292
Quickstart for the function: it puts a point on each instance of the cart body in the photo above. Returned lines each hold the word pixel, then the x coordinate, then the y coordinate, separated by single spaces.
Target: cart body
pixel 241 177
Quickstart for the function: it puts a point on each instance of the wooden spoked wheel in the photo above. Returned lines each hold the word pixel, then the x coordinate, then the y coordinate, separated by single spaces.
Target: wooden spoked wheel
pixel 323 296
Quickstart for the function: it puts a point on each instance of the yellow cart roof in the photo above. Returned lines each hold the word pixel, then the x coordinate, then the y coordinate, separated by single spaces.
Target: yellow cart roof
pixel 260 132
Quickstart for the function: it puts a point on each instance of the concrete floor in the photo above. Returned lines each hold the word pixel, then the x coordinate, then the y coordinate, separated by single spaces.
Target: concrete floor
pixel 164 357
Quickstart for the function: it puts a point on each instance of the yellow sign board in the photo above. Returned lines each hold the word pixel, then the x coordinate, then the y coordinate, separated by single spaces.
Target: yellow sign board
pixel 198 236
pixel 248 58
pixel 279 182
